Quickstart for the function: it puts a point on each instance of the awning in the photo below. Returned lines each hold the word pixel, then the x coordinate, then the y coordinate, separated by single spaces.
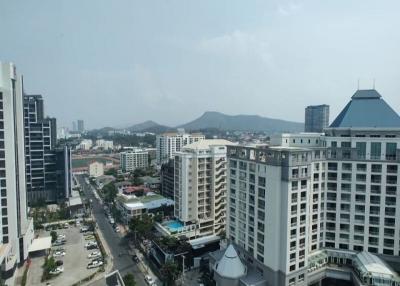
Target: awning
pixel 40 244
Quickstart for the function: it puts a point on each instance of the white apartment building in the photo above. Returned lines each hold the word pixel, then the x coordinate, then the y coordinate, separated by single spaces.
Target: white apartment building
pixel 86 144
pixel 200 186
pixel 16 231
pixel 96 169
pixel 105 144
pixel 168 144
pixel 312 206
pixel 133 159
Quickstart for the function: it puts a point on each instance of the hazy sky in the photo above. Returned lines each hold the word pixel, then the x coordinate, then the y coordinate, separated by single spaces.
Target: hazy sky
pixel 115 63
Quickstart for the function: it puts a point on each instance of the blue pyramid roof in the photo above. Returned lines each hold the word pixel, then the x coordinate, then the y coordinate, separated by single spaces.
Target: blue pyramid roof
pixel 367 109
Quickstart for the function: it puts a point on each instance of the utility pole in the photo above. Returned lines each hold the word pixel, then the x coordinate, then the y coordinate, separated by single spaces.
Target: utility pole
pixel 183 269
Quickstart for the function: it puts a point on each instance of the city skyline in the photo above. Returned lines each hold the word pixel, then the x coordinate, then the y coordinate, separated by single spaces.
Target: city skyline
pixel 144 64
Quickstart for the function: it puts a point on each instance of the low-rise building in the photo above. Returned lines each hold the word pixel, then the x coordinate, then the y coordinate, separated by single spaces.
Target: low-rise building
pixel 134 206
pixel 86 144
pixel 105 144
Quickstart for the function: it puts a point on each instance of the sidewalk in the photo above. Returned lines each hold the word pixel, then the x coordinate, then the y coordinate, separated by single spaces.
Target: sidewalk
pixel 143 266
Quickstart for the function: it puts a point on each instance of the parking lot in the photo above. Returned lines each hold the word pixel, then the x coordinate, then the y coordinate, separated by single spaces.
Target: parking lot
pixel 75 261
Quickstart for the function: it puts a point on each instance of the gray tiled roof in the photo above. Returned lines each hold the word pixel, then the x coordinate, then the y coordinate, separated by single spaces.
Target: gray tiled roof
pixel 367 109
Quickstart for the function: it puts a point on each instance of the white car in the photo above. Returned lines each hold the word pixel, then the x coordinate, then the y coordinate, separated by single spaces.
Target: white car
pixel 94 254
pixel 58 270
pixel 90 243
pixel 59 253
pixel 149 280
pixel 117 229
pixel 95 264
pixel 61 236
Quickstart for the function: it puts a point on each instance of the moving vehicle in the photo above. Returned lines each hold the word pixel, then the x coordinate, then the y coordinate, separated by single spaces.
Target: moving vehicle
pixel 149 280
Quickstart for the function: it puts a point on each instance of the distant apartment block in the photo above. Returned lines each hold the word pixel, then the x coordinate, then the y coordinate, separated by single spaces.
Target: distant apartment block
pixel 316 118
pixel 168 144
pixel 96 169
pixel 16 231
pixel 80 125
pixel 86 144
pixel 105 144
pixel 133 159
pixel 200 186
pixel 314 206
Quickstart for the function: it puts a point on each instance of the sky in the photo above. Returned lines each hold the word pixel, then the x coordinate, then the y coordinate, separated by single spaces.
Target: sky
pixel 121 62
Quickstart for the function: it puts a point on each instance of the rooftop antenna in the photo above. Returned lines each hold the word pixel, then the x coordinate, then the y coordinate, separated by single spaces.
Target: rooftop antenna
pixel 373 86
pixel 358 84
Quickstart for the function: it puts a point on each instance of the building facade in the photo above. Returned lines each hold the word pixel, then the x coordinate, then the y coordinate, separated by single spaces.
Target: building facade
pixel 167 179
pixel 64 172
pixel 316 118
pixel 40 141
pixel 16 232
pixel 312 206
pixel 96 169
pixel 200 186
pixel 168 144
pixel 80 125
pixel 133 159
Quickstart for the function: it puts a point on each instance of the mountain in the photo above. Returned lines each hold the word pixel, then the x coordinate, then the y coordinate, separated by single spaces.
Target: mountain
pixel 212 119
pixel 148 126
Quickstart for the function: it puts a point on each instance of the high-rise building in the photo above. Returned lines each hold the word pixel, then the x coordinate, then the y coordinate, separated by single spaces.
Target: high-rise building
pixel 64 171
pixel 80 125
pixel 312 206
pixel 316 118
pixel 74 126
pixel 40 141
pixel 167 179
pixel 16 231
pixel 133 159
pixel 200 186
pixel 168 144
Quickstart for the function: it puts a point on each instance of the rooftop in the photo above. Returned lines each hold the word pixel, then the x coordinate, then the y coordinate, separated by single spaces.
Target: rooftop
pixel 367 109
pixel 207 143
pixel 230 265
pixel 150 201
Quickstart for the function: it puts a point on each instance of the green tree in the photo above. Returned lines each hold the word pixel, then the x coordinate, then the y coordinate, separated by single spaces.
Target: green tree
pixel 53 235
pixel 170 271
pixel 110 192
pixel 129 280
pixel 137 181
pixel 111 172
pixel 142 226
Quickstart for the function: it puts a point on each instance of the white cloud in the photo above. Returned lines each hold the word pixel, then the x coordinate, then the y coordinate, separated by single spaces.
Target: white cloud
pixel 287 8
pixel 239 45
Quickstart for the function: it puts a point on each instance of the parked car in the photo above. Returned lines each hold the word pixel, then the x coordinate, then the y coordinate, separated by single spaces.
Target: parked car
pixel 66 225
pixel 61 237
pixel 84 229
pixel 59 263
pixel 57 270
pixel 59 253
pixel 91 247
pixel 89 237
pixel 58 243
pixel 117 229
pixel 59 249
pixel 94 264
pixel 135 258
pixel 94 254
pixel 91 242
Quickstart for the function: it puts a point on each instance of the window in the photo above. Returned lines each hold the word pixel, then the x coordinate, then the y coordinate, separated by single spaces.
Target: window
pixel 375 150
pixel 361 149
pixel 391 151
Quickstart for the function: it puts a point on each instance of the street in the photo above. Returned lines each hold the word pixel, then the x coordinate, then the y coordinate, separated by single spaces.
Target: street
pixel 118 246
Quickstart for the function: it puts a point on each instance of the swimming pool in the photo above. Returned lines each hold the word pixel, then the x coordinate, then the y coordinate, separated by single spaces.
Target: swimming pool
pixel 173 225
